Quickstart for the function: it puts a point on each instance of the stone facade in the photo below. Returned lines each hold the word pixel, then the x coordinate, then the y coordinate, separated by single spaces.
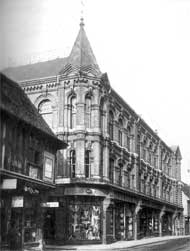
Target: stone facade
pixel 117 179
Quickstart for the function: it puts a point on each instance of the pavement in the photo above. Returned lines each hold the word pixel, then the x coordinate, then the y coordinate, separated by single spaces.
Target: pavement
pixel 119 245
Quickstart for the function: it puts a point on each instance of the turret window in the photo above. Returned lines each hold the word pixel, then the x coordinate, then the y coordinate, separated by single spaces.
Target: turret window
pixel 87 164
pixel 88 112
pixel 73 112
pixel 102 116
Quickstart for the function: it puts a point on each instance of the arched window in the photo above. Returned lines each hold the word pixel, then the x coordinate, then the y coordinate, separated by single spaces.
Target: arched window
pixel 72 162
pixel 73 112
pixel 88 111
pixel 45 109
pixel 120 132
pixel 111 122
pixel 87 164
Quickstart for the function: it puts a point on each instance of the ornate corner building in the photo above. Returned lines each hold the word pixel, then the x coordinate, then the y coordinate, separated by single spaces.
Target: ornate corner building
pixel 117 180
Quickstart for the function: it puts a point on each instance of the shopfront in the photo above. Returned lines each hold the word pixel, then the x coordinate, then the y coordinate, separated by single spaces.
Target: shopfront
pixel 84 219
pixel 21 210
pixel 167 224
pixel 148 222
pixel 123 222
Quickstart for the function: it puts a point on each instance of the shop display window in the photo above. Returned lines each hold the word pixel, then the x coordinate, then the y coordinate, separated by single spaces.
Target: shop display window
pixel 31 218
pixel 156 224
pixel 120 223
pixel 30 225
pixel 110 219
pixel 84 221
pixel 129 224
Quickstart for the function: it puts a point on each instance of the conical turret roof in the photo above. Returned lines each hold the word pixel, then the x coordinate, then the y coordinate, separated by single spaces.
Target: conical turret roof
pixel 81 59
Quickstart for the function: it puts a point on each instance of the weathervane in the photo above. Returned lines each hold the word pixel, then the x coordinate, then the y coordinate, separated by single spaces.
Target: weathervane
pixel 82 9
pixel 82 13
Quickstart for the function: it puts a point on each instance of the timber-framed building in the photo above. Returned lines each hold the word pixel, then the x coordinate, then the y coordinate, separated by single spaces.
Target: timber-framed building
pixel 117 180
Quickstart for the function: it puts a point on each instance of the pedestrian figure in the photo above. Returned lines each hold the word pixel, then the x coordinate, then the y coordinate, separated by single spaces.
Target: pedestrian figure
pixel 14 237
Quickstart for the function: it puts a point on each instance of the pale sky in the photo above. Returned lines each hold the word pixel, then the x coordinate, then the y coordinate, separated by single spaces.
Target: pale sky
pixel 143 45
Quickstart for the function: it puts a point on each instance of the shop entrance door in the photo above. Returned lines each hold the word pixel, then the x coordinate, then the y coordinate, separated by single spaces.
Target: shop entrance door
pixel 16 218
pixel 15 233
pixel 49 226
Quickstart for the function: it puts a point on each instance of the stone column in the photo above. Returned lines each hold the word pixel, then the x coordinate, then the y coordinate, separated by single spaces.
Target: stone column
pixel 80 151
pixel 60 106
pixel 162 212
pixel 173 222
pixel 96 156
pixel 135 219
pixel 80 106
pixel 136 173
pixel 80 116
pixel 106 203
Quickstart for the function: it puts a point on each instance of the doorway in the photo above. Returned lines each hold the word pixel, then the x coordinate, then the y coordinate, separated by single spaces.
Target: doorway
pixel 49 226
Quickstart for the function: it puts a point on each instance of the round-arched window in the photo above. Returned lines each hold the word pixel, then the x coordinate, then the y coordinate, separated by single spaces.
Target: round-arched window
pixel 45 109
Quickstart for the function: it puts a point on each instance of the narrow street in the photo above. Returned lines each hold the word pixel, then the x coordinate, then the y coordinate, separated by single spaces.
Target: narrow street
pixel 177 244
pixel 170 245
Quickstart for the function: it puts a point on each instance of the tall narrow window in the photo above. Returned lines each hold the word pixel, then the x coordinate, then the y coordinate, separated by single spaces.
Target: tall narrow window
pixel 87 163
pixel 138 145
pixel 73 112
pixel 120 173
pixel 45 109
pixel 120 134
pixel 111 170
pixel 149 157
pixel 155 161
pixel 88 111
pixel 72 162
pixel 111 121
pixel 144 151
pixel 128 138
pixel 102 116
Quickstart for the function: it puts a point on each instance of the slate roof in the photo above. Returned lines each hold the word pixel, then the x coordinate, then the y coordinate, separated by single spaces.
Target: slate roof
pixel 176 151
pixel 35 71
pixel 186 189
pixel 81 58
pixel 14 101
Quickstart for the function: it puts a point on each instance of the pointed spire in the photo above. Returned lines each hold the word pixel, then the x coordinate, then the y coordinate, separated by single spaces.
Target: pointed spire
pixel 81 58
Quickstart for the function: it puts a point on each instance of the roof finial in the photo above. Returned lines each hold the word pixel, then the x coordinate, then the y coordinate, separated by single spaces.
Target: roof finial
pixel 81 22
pixel 82 13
